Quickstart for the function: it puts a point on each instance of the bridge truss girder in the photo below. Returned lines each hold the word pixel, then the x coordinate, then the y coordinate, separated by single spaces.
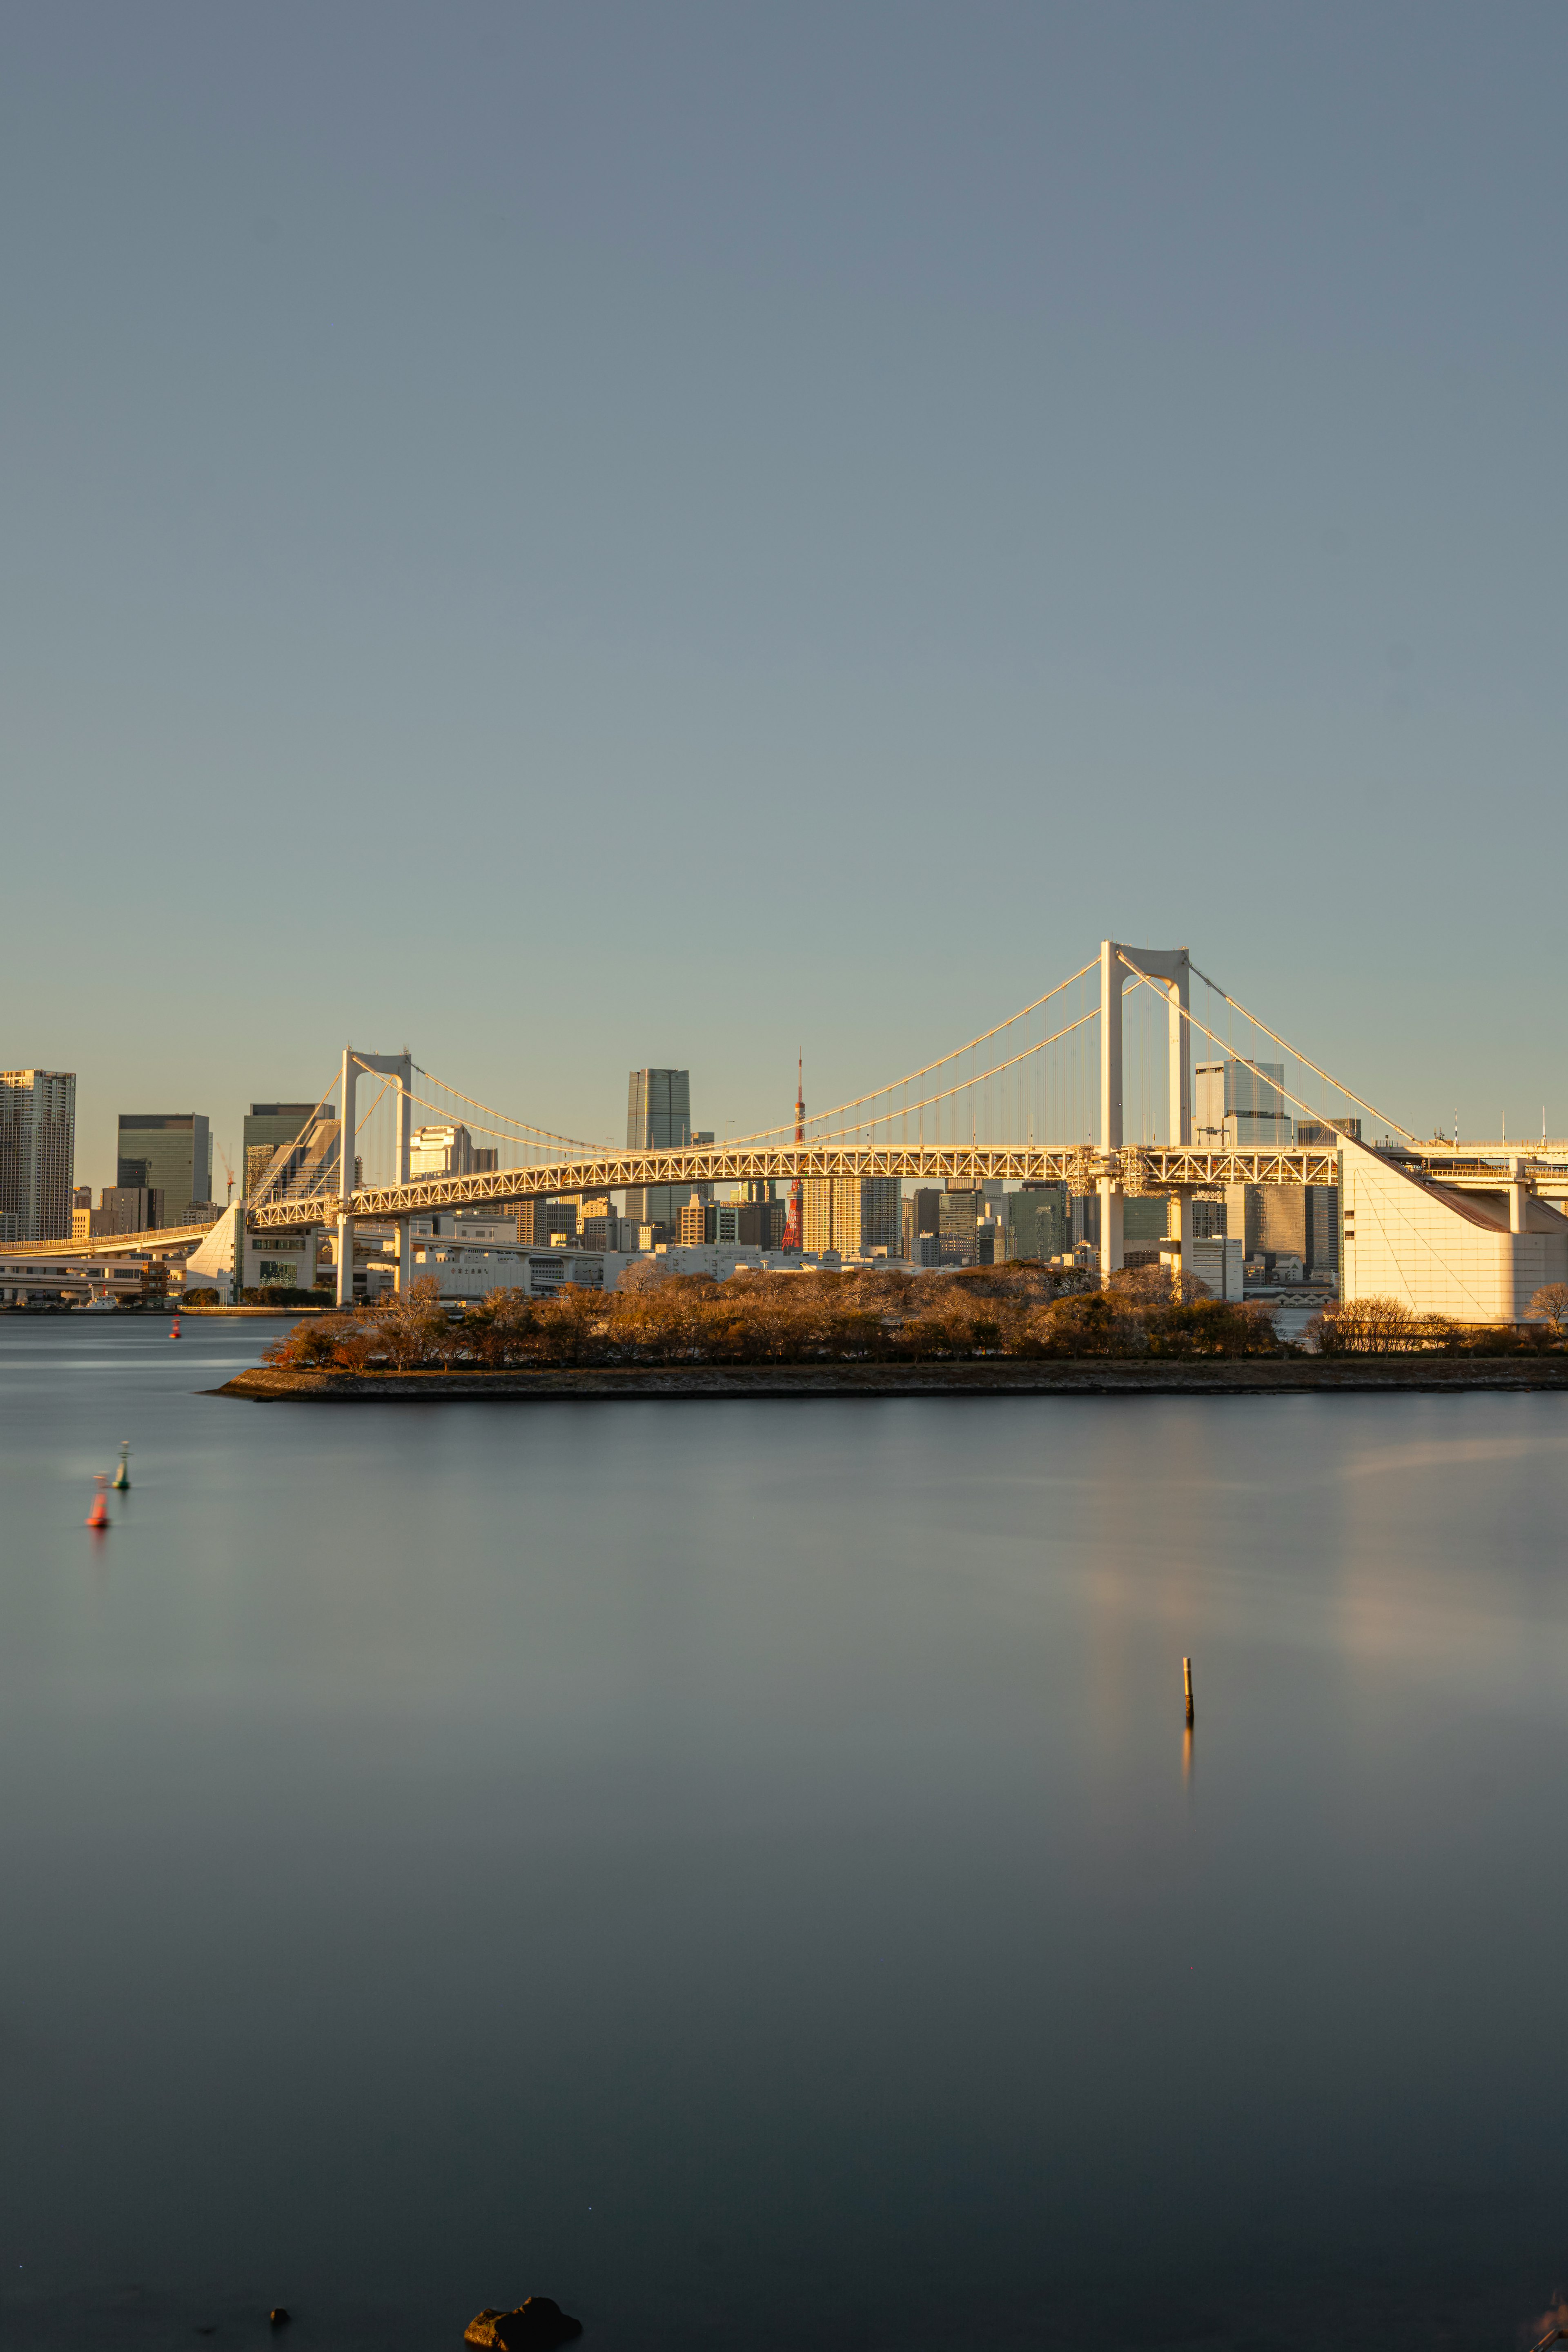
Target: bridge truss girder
pixel 1152 1168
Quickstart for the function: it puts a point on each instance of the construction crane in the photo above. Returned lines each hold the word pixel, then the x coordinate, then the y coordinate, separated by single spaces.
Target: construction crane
pixel 227 1170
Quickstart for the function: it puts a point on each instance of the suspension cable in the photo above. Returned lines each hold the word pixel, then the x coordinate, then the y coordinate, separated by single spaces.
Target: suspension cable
pixel 547 1134
pixel 1295 1050
pixel 599 1151
pixel 893 1084
pixel 578 1143
pixel 1312 1112
pixel 593 1151
pixel 964 1087
pixel 281 1155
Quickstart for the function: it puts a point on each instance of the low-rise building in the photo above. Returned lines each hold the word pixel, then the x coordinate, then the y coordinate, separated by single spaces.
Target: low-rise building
pixel 538 1223
pixel 1216 1262
pixel 465 1270
pixel 76 1279
pixel 702 1222
pixel 123 1209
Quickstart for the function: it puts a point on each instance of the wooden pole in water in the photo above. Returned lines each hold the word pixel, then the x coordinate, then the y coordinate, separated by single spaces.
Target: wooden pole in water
pixel 1187 1679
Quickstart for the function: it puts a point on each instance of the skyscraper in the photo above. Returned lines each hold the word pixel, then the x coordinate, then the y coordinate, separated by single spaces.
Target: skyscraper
pixel 658 1118
pixel 169 1152
pixel 37 1149
pixel 922 1217
pixel 449 1149
pixel 267 1126
pixel 958 1214
pixel 1240 1106
pixel 1039 1222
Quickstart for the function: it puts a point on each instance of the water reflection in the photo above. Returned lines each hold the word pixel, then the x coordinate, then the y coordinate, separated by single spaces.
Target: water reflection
pixel 722 1867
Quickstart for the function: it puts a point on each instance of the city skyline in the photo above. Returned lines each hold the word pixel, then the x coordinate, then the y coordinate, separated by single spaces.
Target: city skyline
pixel 1085 421
pixel 233 1143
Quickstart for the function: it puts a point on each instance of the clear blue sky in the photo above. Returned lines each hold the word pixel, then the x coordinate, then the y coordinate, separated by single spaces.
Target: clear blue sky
pixel 575 536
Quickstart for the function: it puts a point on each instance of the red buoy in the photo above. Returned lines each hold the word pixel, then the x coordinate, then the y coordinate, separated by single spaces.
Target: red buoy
pixel 175 1332
pixel 99 1515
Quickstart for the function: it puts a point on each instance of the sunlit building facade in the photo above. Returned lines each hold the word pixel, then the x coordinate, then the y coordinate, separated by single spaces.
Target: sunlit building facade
pixel 38 1151
pixel 852 1215
pixel 658 1118
pixel 169 1153
pixel 1240 1106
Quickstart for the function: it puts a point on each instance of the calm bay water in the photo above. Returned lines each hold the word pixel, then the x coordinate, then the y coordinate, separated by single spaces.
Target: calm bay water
pixel 739 1868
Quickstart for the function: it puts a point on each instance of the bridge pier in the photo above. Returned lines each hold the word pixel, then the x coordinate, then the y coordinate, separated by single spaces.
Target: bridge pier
pixel 405 1258
pixel 1172 971
pixel 1110 1227
pixel 399 1068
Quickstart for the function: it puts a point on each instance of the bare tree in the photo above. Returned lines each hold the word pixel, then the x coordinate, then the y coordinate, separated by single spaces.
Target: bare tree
pixel 1550 1301
pixel 647 1274
pixel 1371 1326
pixel 1159 1285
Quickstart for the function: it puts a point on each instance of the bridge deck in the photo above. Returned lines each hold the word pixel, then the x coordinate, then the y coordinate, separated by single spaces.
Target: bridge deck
pixel 110 1244
pixel 1150 1169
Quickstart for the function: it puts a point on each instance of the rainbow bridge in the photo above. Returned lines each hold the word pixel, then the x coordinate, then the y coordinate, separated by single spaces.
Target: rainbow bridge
pixel 1089 1085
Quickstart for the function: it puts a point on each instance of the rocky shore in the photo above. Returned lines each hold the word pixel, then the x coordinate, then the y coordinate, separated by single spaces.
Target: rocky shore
pixel 1105 1375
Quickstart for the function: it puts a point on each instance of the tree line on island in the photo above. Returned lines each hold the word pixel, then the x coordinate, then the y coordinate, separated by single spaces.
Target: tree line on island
pixel 1018 1311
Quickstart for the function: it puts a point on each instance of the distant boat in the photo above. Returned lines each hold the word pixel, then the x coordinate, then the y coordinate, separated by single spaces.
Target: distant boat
pixel 101 1305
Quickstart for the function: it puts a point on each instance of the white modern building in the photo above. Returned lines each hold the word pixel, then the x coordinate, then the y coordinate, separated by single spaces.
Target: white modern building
pixel 287 1259
pixel 1216 1264
pixel 78 1278
pixel 1476 1256
pixel 447 1150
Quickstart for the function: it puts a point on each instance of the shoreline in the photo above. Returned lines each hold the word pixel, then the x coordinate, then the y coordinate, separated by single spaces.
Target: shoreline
pixel 1104 1376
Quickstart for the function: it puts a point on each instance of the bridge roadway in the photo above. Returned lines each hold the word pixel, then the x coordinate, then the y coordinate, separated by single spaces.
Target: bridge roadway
pixel 160 1237
pixel 1155 1168
pixel 1151 1168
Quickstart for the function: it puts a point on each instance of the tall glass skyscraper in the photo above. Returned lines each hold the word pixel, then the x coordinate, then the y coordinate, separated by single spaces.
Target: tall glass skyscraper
pixel 1240 1106
pixel 169 1152
pixel 659 1118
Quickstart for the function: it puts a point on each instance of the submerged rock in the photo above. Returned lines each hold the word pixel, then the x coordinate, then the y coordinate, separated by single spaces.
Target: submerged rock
pixel 534 2326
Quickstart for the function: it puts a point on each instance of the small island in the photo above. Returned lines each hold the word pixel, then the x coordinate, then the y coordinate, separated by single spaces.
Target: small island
pixel 1022 1328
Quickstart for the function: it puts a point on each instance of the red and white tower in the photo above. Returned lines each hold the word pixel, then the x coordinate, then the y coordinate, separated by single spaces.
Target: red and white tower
pixel 794 1222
